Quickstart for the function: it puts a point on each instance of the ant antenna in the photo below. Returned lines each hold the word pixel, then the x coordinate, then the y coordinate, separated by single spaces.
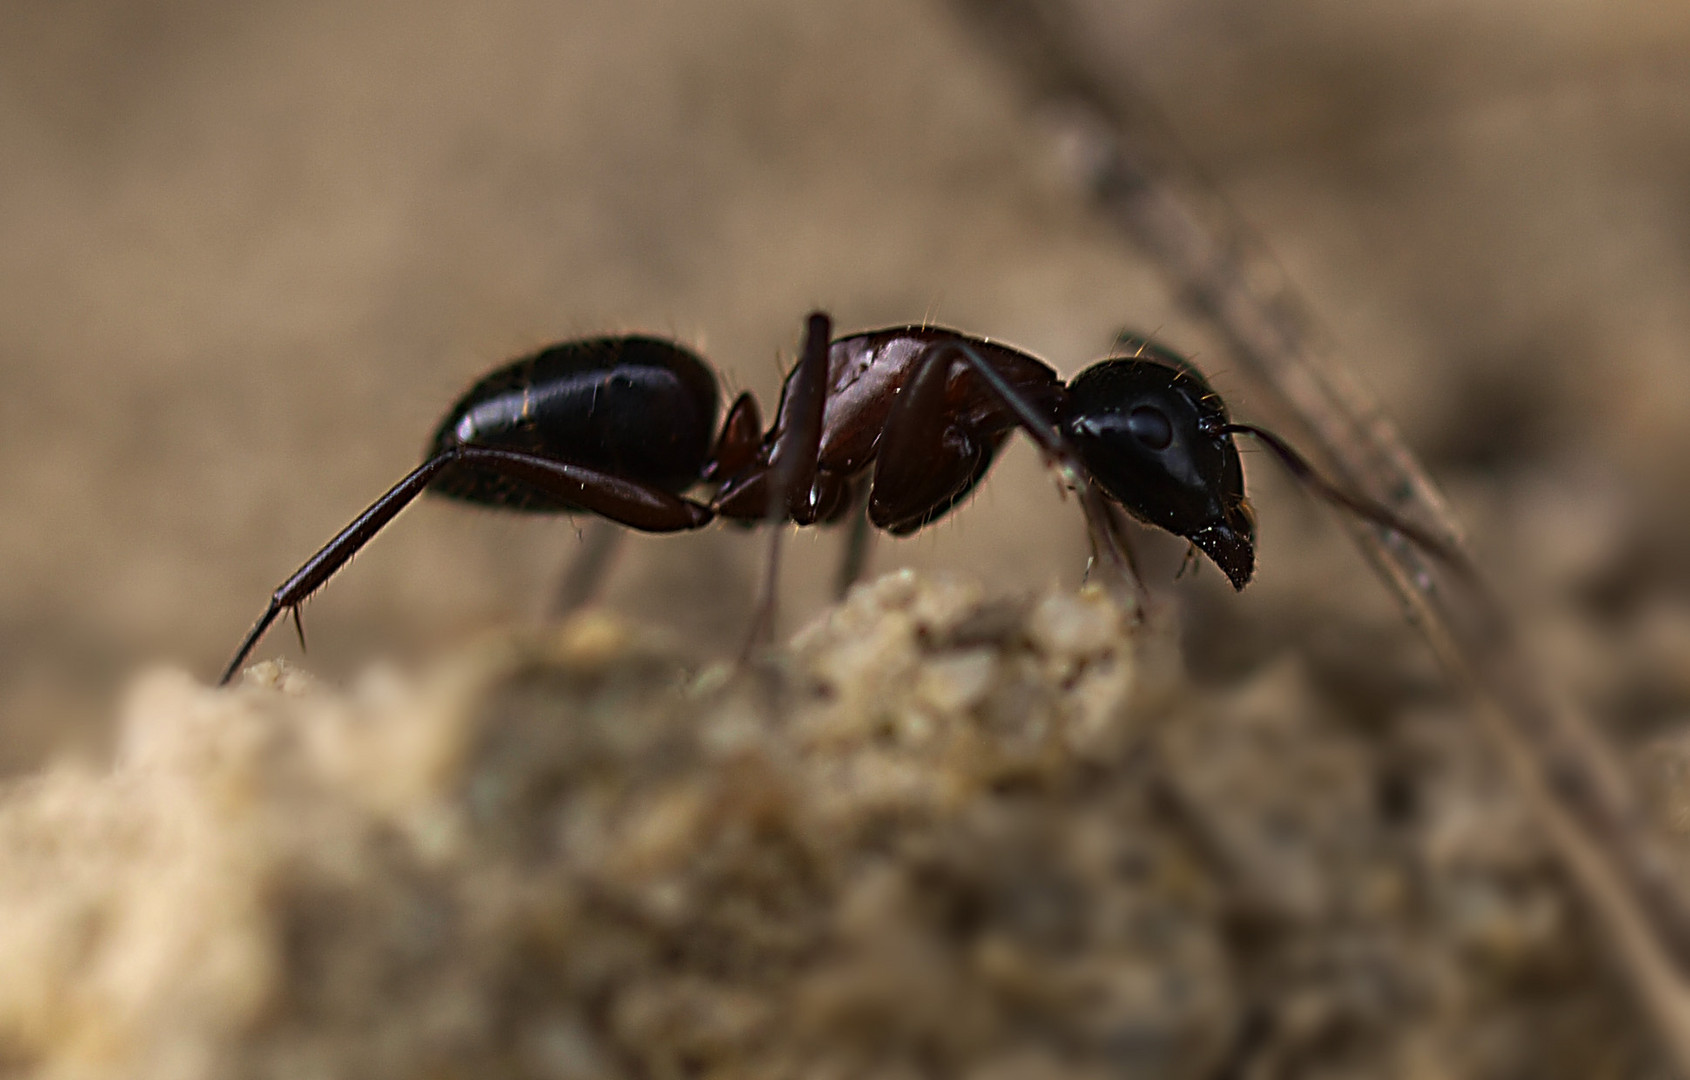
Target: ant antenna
pixel 1299 467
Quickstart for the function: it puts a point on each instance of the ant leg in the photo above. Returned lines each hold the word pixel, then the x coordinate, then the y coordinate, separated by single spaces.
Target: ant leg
pixel 1105 529
pixel 763 617
pixel 600 541
pixel 737 445
pixel 858 538
pixel 1101 520
pixel 789 477
pixel 914 430
pixel 795 450
pixel 778 481
pixel 1120 545
pixel 917 470
pixel 333 555
pixel 625 501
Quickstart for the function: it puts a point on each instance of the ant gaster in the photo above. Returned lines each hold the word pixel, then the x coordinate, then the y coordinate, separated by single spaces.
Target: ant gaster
pixel 908 418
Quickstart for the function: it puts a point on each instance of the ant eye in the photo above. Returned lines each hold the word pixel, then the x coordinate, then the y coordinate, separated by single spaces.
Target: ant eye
pixel 1151 427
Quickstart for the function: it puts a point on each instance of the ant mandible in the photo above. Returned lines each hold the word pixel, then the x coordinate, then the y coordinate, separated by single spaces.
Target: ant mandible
pixel 908 418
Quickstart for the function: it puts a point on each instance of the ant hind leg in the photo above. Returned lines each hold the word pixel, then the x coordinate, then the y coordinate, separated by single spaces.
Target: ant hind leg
pixel 585 576
pixel 634 504
pixel 859 538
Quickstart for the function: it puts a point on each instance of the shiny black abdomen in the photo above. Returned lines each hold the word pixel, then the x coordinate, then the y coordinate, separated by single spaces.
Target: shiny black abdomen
pixel 638 408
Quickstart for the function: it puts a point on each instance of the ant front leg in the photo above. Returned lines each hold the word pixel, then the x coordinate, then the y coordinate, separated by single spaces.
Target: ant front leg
pixel 928 458
pixel 1104 524
pixel 628 502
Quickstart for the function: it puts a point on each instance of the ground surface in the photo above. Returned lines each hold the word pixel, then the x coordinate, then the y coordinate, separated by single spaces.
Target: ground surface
pixel 941 836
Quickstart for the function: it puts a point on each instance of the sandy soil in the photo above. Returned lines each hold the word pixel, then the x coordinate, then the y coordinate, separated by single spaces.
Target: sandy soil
pixel 944 835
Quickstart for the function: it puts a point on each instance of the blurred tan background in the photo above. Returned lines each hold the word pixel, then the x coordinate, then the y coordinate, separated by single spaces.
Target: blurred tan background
pixel 250 252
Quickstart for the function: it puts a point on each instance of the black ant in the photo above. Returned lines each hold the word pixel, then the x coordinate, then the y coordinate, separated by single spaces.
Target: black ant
pixel 907 419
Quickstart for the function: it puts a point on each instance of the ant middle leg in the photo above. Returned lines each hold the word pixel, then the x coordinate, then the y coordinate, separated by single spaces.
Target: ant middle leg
pixel 787 471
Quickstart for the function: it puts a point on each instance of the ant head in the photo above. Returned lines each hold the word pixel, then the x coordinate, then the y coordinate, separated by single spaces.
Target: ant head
pixel 1153 435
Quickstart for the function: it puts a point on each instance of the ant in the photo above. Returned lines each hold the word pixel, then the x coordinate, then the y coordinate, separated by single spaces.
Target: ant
pixel 905 421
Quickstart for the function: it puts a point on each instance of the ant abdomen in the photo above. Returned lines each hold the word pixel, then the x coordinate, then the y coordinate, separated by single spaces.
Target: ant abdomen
pixel 639 408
